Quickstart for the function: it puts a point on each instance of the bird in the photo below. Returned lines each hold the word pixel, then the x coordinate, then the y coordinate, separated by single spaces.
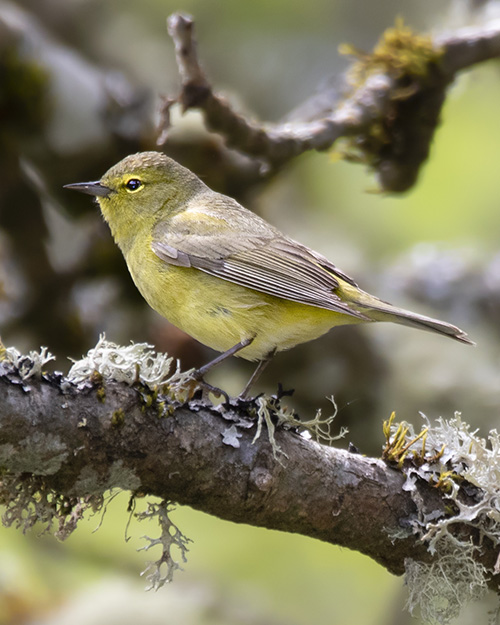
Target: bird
pixel 223 274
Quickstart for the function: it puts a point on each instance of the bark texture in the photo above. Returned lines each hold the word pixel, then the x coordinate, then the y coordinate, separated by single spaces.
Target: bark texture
pixel 82 442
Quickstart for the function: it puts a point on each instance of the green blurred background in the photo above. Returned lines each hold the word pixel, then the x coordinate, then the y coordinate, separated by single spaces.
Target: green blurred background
pixel 434 249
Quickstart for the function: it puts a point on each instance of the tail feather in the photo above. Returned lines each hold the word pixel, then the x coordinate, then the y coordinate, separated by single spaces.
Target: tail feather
pixel 380 311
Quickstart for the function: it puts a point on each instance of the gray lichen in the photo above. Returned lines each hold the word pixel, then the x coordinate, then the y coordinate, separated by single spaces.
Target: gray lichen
pixel 28 500
pixel 270 410
pixel 91 482
pixel 447 455
pixel 39 453
pixel 230 437
pixel 162 570
pixel 131 364
pixel 441 588
pixel 466 469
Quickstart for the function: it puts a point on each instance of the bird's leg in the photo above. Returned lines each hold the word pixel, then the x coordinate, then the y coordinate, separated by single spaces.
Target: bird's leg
pixel 200 373
pixel 256 374
pixel 221 357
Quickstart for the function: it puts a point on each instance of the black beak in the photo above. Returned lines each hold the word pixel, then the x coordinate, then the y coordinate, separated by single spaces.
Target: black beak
pixel 91 188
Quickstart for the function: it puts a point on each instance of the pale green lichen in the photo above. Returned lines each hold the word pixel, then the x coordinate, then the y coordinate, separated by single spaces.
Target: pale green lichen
pixel 272 413
pixel 122 477
pixel 319 427
pixel 26 366
pixel 441 588
pixel 170 539
pixel 452 458
pixel 130 364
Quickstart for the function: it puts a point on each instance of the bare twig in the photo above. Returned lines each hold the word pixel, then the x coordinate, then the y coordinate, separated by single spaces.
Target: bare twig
pixel 469 46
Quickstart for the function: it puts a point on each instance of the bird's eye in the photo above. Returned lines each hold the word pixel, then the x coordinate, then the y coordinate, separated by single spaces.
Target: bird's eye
pixel 133 185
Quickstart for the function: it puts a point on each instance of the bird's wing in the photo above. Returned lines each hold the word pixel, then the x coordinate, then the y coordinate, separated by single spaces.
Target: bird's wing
pixel 247 251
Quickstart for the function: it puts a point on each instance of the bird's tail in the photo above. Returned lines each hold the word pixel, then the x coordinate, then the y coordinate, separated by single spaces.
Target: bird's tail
pixel 378 310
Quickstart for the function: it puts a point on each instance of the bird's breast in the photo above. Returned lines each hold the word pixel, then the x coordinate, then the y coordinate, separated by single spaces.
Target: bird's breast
pixel 219 313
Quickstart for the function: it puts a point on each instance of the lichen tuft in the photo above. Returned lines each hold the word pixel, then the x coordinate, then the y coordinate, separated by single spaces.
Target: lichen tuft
pixel 466 469
pixel 135 364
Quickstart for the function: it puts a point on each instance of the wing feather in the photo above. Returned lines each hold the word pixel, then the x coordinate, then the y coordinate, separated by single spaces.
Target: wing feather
pixel 265 260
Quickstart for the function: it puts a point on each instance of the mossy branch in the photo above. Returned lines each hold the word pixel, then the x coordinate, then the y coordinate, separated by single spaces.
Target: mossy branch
pixel 387 104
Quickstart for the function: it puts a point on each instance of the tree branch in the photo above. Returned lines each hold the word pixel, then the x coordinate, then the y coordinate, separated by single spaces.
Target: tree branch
pixel 389 104
pixel 122 419
pixel 277 143
pixel 81 435
pixel 80 447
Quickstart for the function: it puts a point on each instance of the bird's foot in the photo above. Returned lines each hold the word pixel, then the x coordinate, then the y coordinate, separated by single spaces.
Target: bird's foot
pixel 207 388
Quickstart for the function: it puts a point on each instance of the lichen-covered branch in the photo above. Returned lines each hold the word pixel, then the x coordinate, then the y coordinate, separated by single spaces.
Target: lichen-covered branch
pixel 127 418
pixel 81 437
pixel 122 418
pixel 388 103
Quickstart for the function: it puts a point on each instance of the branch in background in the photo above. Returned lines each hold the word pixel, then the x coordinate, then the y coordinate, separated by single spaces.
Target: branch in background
pixel 388 103
pixel 61 117
pixel 122 419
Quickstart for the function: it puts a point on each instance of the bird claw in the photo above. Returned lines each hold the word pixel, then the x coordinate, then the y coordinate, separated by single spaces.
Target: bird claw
pixel 207 388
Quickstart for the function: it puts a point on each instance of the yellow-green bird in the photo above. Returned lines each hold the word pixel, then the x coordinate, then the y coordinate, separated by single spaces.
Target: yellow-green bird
pixel 223 274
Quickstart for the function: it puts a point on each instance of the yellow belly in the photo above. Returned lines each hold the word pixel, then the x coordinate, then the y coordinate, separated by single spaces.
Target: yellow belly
pixel 220 314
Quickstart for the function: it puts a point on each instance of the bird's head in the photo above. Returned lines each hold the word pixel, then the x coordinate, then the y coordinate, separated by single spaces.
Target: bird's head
pixel 140 189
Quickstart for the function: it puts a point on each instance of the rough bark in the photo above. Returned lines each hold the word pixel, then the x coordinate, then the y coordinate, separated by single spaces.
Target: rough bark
pixel 83 442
